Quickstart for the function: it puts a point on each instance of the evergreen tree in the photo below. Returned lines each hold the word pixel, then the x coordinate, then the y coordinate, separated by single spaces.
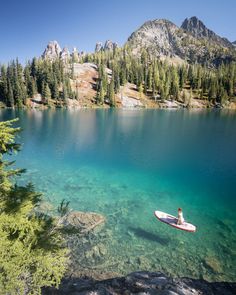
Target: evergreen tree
pixel 46 92
pixel 10 95
pixel 65 92
pixel 101 94
pixel 31 255
pixel 32 88
pixel 212 90
pixel 3 85
pixel 140 90
pixel 157 77
pixel 54 88
pixel 111 93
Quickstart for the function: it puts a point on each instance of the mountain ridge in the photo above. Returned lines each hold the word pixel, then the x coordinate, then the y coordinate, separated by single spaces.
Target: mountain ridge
pixel 192 42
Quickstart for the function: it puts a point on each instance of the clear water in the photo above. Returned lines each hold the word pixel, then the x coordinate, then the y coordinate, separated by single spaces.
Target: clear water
pixel 126 164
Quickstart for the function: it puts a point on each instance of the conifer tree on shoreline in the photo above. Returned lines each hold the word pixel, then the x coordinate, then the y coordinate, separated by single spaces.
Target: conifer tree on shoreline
pixel 52 79
pixel 31 255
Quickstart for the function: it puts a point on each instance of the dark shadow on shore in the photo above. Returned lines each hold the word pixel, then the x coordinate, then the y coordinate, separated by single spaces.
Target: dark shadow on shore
pixel 140 283
pixel 142 233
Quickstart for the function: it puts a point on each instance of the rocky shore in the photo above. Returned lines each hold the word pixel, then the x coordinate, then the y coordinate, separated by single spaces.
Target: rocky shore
pixel 142 283
pixel 91 281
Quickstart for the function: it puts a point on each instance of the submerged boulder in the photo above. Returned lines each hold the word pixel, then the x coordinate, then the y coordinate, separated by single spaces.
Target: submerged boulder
pixel 82 221
pixel 213 264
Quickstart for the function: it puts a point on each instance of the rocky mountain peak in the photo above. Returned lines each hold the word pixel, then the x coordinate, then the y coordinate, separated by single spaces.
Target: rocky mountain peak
pixel 98 47
pixel 197 28
pixel 109 45
pixel 65 54
pixel 157 35
pixel 52 51
pixel 188 43
pixel 158 24
pixel 234 43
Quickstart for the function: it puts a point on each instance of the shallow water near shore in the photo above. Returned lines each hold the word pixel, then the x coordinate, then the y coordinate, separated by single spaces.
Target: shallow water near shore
pixel 125 164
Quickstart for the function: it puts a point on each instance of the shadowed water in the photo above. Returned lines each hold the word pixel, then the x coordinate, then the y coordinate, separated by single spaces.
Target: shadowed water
pixel 127 164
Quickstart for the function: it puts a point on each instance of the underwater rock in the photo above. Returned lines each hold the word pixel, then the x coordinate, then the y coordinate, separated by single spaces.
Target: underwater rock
pixel 214 264
pixel 95 252
pixel 102 250
pixel 84 222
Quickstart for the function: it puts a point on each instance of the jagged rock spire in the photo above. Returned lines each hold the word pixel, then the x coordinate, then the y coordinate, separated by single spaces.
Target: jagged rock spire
pixel 197 28
pixel 98 47
pixel 109 45
pixel 75 55
pixel 52 51
pixel 65 54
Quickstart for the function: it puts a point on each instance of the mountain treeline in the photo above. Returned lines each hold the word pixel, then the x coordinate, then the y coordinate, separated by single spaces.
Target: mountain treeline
pixel 157 79
pixel 39 76
pixel 160 80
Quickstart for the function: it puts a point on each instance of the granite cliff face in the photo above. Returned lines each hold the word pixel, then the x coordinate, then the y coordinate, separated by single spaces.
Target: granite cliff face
pixel 192 42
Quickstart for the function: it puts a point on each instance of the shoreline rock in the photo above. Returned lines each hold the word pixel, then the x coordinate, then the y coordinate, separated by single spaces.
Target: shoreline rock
pixel 142 283
pixel 127 102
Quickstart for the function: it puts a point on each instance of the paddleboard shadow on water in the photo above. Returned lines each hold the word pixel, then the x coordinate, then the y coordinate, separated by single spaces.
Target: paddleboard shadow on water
pixel 144 234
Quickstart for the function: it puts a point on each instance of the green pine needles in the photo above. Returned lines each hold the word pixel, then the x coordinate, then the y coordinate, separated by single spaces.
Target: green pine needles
pixel 31 250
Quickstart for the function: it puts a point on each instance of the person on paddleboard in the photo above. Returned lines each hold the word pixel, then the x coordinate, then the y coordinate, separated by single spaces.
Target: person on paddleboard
pixel 180 217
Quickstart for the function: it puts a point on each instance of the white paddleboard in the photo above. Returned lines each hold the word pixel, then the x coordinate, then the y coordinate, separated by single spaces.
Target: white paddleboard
pixel 172 221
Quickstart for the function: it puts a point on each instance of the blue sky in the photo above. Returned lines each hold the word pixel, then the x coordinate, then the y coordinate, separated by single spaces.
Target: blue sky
pixel 27 26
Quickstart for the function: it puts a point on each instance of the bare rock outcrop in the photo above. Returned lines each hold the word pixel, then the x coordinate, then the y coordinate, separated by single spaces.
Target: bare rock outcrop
pixel 65 54
pixel 98 47
pixel 109 45
pixel 52 51
pixel 192 42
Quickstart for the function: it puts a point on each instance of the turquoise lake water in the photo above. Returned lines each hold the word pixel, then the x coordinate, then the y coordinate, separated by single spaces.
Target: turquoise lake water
pixel 127 164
